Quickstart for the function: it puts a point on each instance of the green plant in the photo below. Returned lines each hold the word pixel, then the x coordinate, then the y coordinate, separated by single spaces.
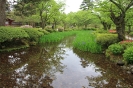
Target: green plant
pixel 10 33
pixel 85 41
pixel 126 44
pixel 43 31
pixel 128 55
pixel 131 34
pixel 105 39
pixel 55 36
pixel 116 48
pixel 101 31
pixel 33 34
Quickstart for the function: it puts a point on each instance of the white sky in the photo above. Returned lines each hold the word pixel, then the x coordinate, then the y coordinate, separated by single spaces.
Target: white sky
pixel 72 5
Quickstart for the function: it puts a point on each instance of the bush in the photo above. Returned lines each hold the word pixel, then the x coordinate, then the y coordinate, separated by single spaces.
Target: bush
pixel 33 34
pixel 93 29
pixel 43 31
pixel 131 34
pixel 101 31
pixel 116 49
pixel 128 55
pixel 10 33
pixel 106 39
pixel 126 44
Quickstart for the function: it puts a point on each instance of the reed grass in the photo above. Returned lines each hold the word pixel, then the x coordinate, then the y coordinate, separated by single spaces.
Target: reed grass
pixel 85 41
pixel 55 37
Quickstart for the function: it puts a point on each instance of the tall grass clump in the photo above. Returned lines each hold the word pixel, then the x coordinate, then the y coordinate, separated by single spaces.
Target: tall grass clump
pixel 85 41
pixel 55 36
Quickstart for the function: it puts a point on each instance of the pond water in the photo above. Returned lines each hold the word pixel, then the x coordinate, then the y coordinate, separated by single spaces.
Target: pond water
pixel 58 65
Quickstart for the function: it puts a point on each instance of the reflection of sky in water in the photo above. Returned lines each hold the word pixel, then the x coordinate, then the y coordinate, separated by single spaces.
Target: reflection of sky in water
pixel 22 74
pixel 74 74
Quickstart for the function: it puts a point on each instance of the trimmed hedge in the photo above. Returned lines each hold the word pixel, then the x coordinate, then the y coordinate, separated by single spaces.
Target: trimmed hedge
pixel 34 34
pixel 9 33
pixel 106 39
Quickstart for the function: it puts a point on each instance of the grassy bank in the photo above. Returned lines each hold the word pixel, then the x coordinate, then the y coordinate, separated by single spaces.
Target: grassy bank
pixel 85 41
pixel 55 36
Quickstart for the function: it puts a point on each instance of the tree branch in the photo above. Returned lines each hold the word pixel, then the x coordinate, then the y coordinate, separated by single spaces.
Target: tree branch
pixel 118 5
pixel 129 5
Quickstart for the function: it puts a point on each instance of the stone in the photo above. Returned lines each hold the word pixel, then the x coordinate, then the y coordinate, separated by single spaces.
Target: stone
pixel 120 63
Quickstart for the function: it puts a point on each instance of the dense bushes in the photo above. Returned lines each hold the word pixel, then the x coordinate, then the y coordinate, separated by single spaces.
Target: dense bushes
pixel 116 48
pixel 128 55
pixel 15 37
pixel 33 34
pixel 9 33
pixel 106 39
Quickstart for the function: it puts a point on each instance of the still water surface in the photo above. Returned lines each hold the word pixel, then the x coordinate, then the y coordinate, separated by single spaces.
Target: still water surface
pixel 58 65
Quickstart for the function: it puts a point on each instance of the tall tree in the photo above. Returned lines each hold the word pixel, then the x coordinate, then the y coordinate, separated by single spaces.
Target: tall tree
pixel 3 8
pixel 2 12
pixel 101 10
pixel 119 17
pixel 86 5
pixel 47 10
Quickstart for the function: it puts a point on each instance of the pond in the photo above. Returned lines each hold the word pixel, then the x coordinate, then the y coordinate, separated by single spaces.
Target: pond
pixel 59 65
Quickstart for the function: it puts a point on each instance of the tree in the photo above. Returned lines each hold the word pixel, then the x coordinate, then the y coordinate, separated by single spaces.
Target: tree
pixel 101 10
pixel 3 8
pixel 86 4
pixel 119 17
pixel 2 12
pixel 47 10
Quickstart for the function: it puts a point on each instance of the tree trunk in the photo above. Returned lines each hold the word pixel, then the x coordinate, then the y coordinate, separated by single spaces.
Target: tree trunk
pixel 120 27
pixel 106 25
pixel 119 21
pixel 2 12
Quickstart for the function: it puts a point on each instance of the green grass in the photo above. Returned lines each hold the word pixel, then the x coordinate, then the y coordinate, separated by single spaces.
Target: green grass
pixel 85 41
pixel 55 37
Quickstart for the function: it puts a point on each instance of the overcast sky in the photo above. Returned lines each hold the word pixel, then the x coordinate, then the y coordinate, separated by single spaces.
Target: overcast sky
pixel 72 5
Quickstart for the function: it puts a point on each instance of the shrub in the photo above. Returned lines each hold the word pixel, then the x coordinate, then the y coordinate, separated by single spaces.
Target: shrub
pixel 43 31
pixel 106 39
pixel 126 44
pixel 93 29
pixel 101 31
pixel 128 55
pixel 116 49
pixel 10 33
pixel 33 34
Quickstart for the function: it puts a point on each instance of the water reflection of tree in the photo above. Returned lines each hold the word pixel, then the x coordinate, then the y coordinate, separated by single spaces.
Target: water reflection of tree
pixel 112 76
pixel 37 69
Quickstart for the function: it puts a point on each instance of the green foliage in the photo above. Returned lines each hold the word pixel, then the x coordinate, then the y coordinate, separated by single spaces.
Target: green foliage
pixel 85 41
pixel 10 33
pixel 55 36
pixel 116 48
pixel 34 34
pixel 106 39
pixel 131 34
pixel 126 45
pixel 93 29
pixel 43 31
pixel 101 31
pixel 128 55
